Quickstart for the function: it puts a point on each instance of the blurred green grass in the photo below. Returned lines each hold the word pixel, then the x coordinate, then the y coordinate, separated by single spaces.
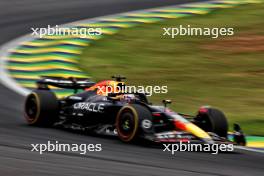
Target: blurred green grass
pixel 195 74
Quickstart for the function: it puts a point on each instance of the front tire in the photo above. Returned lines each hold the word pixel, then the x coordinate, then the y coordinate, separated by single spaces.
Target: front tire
pixel 41 108
pixel 212 120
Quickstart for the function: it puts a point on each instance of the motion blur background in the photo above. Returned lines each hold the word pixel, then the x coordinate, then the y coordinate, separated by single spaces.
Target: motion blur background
pixel 226 73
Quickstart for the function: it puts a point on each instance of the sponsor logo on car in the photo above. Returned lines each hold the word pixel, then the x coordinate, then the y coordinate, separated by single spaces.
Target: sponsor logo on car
pixel 146 123
pixel 92 107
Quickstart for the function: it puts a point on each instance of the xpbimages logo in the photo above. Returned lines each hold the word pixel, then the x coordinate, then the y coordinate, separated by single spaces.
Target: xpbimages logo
pixel 189 147
pixel 181 30
pixel 58 31
pixel 148 90
pixel 60 147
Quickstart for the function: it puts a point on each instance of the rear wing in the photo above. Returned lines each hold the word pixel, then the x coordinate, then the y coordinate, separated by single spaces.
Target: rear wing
pixel 66 83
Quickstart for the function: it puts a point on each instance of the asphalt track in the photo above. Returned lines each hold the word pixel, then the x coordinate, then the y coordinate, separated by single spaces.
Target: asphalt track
pixel 17 16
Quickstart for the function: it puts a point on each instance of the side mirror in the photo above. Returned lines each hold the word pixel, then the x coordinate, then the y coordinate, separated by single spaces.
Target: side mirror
pixel 165 102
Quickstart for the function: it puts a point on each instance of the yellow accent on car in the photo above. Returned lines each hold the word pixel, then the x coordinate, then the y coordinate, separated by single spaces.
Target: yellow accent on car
pixel 195 130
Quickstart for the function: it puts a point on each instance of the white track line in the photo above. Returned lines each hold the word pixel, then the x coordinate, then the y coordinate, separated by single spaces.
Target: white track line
pixel 249 149
pixel 5 78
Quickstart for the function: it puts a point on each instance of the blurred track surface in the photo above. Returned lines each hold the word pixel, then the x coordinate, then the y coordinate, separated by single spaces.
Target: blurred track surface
pixel 17 17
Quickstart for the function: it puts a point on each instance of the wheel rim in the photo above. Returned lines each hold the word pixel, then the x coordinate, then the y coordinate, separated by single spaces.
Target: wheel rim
pixel 127 123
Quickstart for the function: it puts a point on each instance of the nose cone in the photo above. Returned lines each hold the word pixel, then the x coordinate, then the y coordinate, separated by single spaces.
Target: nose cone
pixel 195 130
pixel 198 132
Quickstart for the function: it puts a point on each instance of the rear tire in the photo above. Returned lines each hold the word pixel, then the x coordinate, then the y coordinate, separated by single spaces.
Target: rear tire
pixel 212 120
pixel 41 108
pixel 132 121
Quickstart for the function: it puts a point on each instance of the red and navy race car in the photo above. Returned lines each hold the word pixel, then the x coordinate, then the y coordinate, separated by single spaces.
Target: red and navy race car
pixel 127 115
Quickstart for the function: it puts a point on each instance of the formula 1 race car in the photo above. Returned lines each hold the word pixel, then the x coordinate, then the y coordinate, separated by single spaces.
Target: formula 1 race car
pixel 127 115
